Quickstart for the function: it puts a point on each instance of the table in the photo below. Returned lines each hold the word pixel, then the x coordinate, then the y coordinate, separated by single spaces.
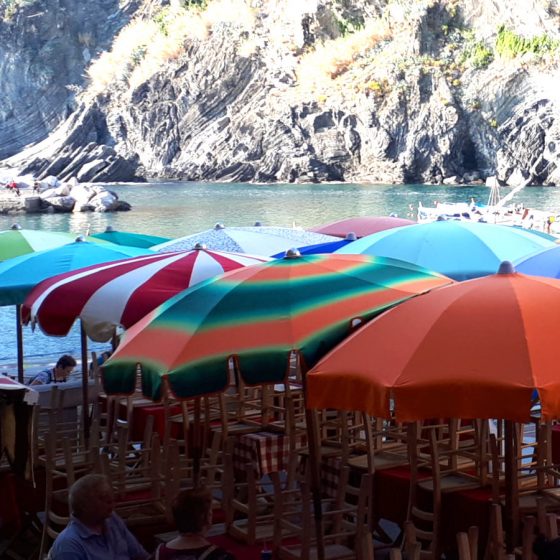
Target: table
pixel 141 410
pixel 459 510
pixel 141 414
pixel 268 451
pixel 555 443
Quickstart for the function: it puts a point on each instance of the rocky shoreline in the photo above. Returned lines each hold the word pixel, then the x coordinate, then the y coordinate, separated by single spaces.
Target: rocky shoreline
pixel 50 195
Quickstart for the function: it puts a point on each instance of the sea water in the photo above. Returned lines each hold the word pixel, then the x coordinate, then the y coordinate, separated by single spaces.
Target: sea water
pixel 176 209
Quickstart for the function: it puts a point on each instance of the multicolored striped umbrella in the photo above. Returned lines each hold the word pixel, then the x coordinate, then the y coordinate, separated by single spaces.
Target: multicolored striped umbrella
pixel 130 239
pixel 260 315
pixel 16 241
pixel 120 293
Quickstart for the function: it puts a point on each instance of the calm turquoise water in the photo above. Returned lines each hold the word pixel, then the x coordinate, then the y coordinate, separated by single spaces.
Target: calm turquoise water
pixel 176 209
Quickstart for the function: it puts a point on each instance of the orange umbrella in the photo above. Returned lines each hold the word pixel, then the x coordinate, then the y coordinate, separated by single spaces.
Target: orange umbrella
pixel 476 349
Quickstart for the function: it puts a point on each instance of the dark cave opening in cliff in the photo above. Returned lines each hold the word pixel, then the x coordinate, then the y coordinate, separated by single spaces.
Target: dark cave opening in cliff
pixel 468 155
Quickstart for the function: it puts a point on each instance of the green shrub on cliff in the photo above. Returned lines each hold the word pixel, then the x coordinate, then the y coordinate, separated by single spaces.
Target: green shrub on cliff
pixel 475 52
pixel 510 45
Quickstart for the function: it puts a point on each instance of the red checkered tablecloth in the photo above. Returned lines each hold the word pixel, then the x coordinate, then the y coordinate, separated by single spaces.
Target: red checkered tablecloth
pixel 268 451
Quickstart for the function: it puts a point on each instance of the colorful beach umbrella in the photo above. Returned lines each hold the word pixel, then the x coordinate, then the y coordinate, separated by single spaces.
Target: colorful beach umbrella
pixel 477 349
pixel 449 353
pixel 120 293
pixel 460 250
pixel 361 226
pixel 259 315
pixel 256 240
pixel 17 241
pixel 321 248
pixel 18 276
pixel 130 239
pixel 543 263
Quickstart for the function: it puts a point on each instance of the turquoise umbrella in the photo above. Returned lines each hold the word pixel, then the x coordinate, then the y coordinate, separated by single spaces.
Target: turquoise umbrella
pixel 130 239
pixel 460 250
pixel 19 275
pixel 17 241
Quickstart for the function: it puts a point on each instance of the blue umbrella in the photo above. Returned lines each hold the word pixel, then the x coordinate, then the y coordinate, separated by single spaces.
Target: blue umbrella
pixel 460 250
pixel 19 275
pixel 321 248
pixel 543 263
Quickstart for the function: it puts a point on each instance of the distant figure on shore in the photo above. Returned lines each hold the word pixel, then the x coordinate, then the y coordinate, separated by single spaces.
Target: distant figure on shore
pixel 192 512
pixel 95 532
pixel 13 186
pixel 58 374
pixel 36 187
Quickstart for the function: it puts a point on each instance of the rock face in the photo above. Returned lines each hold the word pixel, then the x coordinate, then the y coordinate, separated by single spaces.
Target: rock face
pixel 45 46
pixel 421 94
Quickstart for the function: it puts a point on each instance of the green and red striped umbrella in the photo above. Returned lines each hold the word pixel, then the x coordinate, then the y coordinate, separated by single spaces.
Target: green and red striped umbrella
pixel 259 315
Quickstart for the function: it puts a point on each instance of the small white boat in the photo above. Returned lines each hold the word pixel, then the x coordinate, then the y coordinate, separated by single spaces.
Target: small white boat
pixel 497 211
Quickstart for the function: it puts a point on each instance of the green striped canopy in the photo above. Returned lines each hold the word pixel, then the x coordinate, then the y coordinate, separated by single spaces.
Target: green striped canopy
pixel 260 315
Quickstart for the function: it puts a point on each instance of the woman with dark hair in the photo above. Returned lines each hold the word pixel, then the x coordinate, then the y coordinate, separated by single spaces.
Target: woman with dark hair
pixel 192 512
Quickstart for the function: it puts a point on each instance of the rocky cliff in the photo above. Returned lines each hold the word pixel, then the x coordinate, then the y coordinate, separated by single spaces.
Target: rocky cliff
pixel 294 90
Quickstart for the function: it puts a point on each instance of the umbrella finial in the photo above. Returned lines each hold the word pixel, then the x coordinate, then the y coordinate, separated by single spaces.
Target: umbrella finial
pixel 16 226
pixel 506 268
pixel 80 239
pixel 219 225
pixel 292 253
pixel 109 229
pixel 199 247
pixel 258 223
pixel 351 236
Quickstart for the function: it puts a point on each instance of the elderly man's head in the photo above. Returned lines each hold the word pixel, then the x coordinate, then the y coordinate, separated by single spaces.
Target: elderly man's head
pixel 91 499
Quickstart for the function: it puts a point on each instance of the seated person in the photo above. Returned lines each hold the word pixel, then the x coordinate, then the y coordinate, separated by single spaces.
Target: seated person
pixel 95 532
pixel 101 359
pixel 59 373
pixel 192 512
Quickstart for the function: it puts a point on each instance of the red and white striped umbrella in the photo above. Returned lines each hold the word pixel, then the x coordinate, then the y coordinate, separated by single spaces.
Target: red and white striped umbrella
pixel 122 292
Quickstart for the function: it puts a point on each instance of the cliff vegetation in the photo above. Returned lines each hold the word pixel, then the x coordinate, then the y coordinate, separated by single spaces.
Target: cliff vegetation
pixel 384 91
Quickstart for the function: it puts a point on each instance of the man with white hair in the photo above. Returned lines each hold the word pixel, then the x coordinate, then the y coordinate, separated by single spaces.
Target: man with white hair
pixel 95 532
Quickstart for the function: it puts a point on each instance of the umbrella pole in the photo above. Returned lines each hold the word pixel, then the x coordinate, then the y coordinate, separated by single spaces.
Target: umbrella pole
pixel 85 383
pixel 196 441
pixel 19 335
pixel 512 490
pixel 313 442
